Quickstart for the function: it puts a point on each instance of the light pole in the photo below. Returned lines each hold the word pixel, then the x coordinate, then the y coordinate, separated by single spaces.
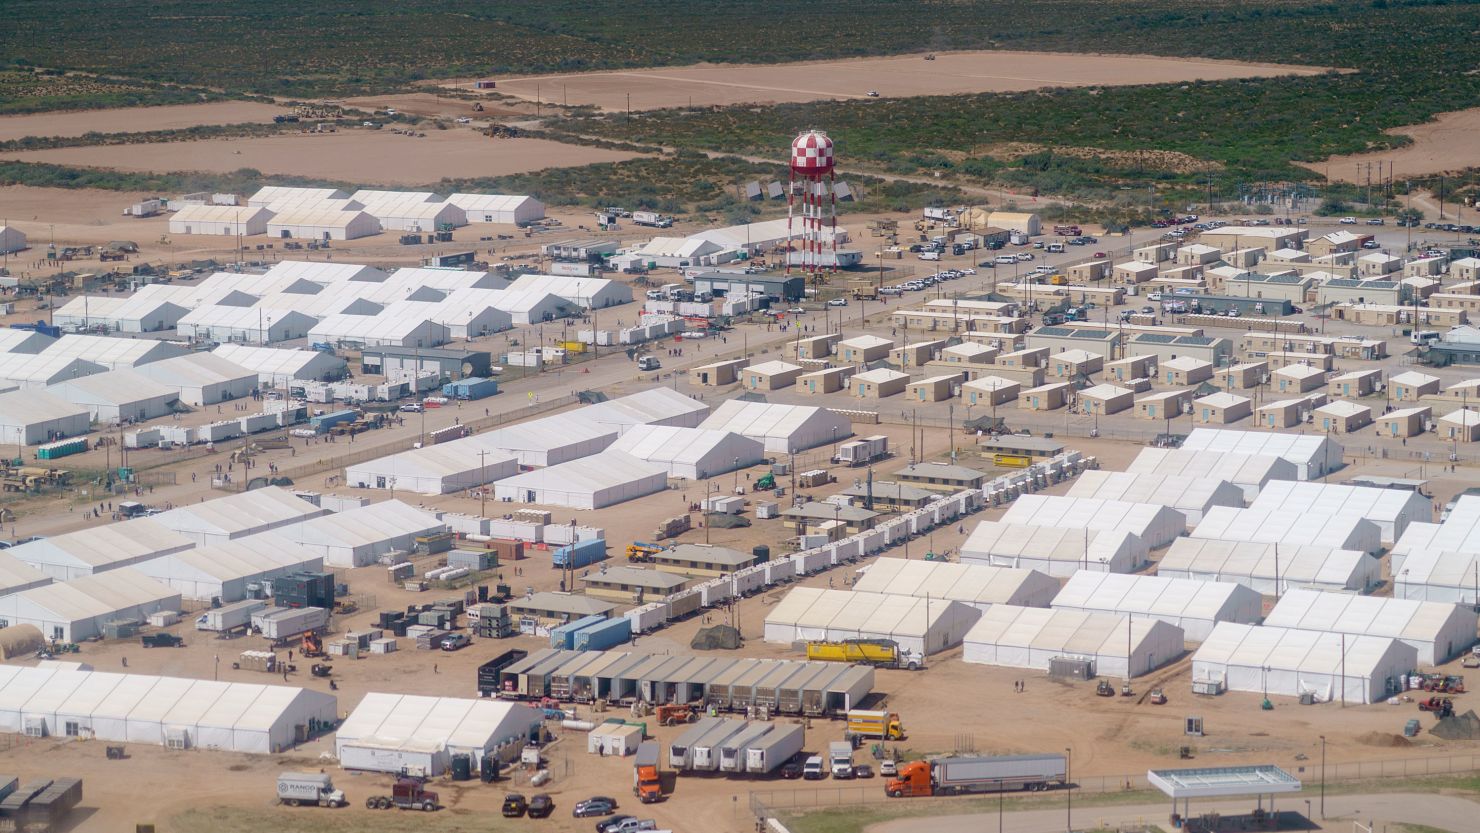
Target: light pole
pixel 483 487
pixel 999 805
pixel 1323 777
pixel 1069 789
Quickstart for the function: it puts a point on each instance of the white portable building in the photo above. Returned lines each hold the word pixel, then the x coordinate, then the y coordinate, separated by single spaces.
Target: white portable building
pixel 1391 509
pixel 654 406
pixel 1155 524
pixel 28 372
pixel 1192 605
pixel 33 417
pixel 916 624
pixel 1439 631
pixel 75 610
pixel 438 469
pixel 230 220
pixel 244 325
pixel 1286 662
pixel 1052 550
pixel 603 479
pixel 114 353
pixel 401 732
pixel 379 331
pixel 784 429
pixel 1247 471
pixel 16 575
pixel 692 453
pixel 1289 528
pixel 1257 565
pixel 512 209
pixel 277 368
pixel 549 440
pixel 976 585
pixel 202 379
pixel 356 537
pixel 586 293
pixel 1031 637
pixel 225 571
pixel 101 548
pixel 1192 496
pixel 223 519
pixel 323 223
pixel 1313 454
pixel 118 395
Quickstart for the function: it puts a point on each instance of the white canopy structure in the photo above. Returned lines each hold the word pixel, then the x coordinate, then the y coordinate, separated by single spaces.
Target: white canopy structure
pixel 783 428
pixel 379 331
pixel 654 406
pixel 1286 662
pixel 1155 524
pixel 434 469
pixel 1391 509
pixel 587 293
pixel 398 732
pixel 1247 471
pixel 28 372
pixel 356 537
pixel 1052 550
pixel 1031 637
pixel 33 417
pixel 101 548
pixel 499 208
pixel 75 610
pixel 916 624
pixel 16 575
pixel 1459 532
pixel 1289 528
pixel 1194 606
pixel 1313 454
pixel 223 519
pixel 1257 565
pixel 972 584
pixel 1192 496
pixel 276 368
pixel 114 353
pixel 140 708
pixel 1437 630
pixel 604 479
pixel 550 440
pixel 1439 576
pixel 223 570
pixel 691 453
pixel 118 395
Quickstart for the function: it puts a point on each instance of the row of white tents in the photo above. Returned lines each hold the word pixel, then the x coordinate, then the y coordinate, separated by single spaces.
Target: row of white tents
pixel 330 214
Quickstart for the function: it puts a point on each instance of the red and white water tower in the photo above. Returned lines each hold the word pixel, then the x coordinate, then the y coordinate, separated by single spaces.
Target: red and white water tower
pixel 812 180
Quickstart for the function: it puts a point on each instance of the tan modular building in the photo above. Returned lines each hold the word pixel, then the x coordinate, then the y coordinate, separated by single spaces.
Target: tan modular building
pixel 1049 397
pixel 969 352
pixel 1165 405
pixel 1024 221
pixel 1361 291
pixel 917 354
pixel 1027 357
pixel 1166 347
pixel 717 374
pixel 1028 377
pixel 1335 243
pixel 772 375
pixel 1425 267
pixel 1221 409
pixel 1342 417
pixel 1179 277
pixel 1297 378
pixel 934 388
pixel 877 384
pixel 890 496
pixel 1106 399
pixel 814 516
pixel 1285 413
pixel 1097 340
pixel 815 347
pixel 1404 422
pixel 990 390
pixel 1131 367
pixel 1239 237
pixel 1412 386
pixel 1281 359
pixel 1420 288
pixel 1469 304
pixel 1198 254
pixel 1462 425
pixel 1465 269
pixel 1269 342
pixel 1104 296
pixel 1071 364
pixel 1155 253
pixel 1285 286
pixel 1133 273
pixel 970 307
pixel 632 585
pixel 1355 384
pixel 933 320
pixel 1242 376
pixel 1184 370
pixel 1245 258
pixel 864 349
pixel 1365 349
pixel 824 381
pixel 941 477
pixel 1378 264
pixel 1094 270
pixel 702 560
pixel 1282 257
pixel 1393 315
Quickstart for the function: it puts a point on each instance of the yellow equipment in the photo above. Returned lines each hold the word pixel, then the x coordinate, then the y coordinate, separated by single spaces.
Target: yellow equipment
pixel 1012 461
pixel 638 551
pixel 882 652
pixel 871 724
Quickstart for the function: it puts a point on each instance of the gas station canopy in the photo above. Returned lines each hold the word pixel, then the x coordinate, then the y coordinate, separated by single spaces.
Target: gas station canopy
pixel 1223 782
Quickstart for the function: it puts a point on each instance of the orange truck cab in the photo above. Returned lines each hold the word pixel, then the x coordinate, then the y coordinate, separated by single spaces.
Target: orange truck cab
pixel 912 779
pixel 647 785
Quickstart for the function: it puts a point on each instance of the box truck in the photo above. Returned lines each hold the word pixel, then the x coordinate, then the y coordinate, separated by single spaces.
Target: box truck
pixel 874 724
pixel 651 219
pixel 955 776
pixel 230 617
pixel 773 749
pixel 840 759
pixel 295 788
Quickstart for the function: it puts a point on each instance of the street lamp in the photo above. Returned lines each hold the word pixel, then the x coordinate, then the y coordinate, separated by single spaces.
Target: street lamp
pixel 1323 776
pixel 1069 789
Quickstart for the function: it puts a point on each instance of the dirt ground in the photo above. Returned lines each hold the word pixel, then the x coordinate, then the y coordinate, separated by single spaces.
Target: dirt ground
pixel 360 156
pixel 904 75
pixel 430 105
pixel 137 119
pixel 1445 144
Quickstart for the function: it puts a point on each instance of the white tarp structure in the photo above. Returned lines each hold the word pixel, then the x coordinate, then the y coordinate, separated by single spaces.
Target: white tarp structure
pixel 1288 663
pixel 1313 454
pixel 784 429
pixel 100 548
pixel 603 479
pixel 692 453
pixel 1437 630
pixel 550 440
pixel 379 331
pixel 1439 576
pixel 1289 528
pixel 654 406
pixel 499 208
pixel 916 624
pixel 399 732
pixel 1155 524
pixel 235 516
pixel 224 570
pixel 1391 509
pixel 972 584
pixel 1031 637
pixel 75 610
pixel 1257 565
pixel 1192 496
pixel 118 395
pixel 1459 532
pixel 16 576
pixel 587 293
pixel 114 353
pixel 279 368
pixel 356 537
pixel 438 469
pixel 1194 606
pixel 1247 471
pixel 141 708
pixel 34 417
pixel 1051 550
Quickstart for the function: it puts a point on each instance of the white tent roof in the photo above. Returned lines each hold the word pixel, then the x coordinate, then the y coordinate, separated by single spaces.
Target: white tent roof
pixel 365 525
pixel 401 721
pixel 115 388
pixel 579 291
pixel 196 370
pixel 373 327
pixel 1288 528
pixel 1404 619
pixel 1065 632
pixel 87 597
pixel 246 557
pixel 113 352
pixel 35 406
pixel 16 575
pixel 271 360
pixel 44 369
pixel 1391 509
pixel 654 406
pixel 973 584
pixel 440 461
pixel 1296 565
pixel 999 538
pixel 606 470
pixel 1165 598
pixel 672 444
pixel 280 197
pixel 1304 450
pixel 545 434
pixel 785 426
pixel 219 213
pixel 100 546
pixel 239 514
pixel 488 203
pixel 1144 519
pixel 324 272
pixel 1286 649
pixel 1175 490
pixel 881 613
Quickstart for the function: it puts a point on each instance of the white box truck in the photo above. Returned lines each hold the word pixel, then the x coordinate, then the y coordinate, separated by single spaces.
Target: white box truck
pixel 287 622
pixel 840 759
pixel 651 219
pixel 230 617
pixel 313 788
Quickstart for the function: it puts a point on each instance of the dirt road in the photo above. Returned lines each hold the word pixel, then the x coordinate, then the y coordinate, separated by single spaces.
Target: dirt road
pixel 137 119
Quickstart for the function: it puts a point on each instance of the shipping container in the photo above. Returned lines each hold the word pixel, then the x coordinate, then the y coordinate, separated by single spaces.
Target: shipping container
pixel 579 554
pixel 564 635
pixel 608 634
pixel 473 387
pixel 775 748
pixel 323 422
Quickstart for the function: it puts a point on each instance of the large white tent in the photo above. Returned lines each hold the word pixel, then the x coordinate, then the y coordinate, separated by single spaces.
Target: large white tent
pixel 16 575
pixel 603 479
pixel 1289 528
pixel 434 469
pixel 587 293
pixel 224 570
pixel 550 440
pixel 140 708
pixel 654 406
pixel 1155 524
pixel 27 372
pixel 72 611
pixel 973 584
pixel 916 624
pixel 410 210
pixel 1458 532
pixel 356 537
pixel 1257 565
pixel 114 353
pixel 331 223
pixel 692 453
pixel 1031 637
pixel 1247 471
pixel 244 325
pixel 97 549
pixel 401 732
pixel 1286 662
pixel 231 220
pixel 236 516
pixel 1391 509
pixel 1439 576
pixel 1437 630
pixel 1194 606
pixel 1192 496
pixel 1052 550
pixel 499 208
pixel 202 379
pixel 784 429
pixel 118 395
pixel 33 417
pixel 1313 454
pixel 379 331
pixel 277 368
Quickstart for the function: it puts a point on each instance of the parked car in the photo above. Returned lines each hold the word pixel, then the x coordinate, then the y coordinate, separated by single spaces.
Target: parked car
pixel 598 805
pixel 1371 244
pixel 791 770
pixel 863 771
pixel 609 823
pixel 797 311
pixel 628 824
pixel 1100 255
pixel 887 768
pixel 1348 221
pixel 837 302
pixel 455 642
pixel 541 806
pixel 515 806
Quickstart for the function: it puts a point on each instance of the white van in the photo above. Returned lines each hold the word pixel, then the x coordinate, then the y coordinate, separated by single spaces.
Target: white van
pixel 1006 258
pixel 1424 336
pixel 930 255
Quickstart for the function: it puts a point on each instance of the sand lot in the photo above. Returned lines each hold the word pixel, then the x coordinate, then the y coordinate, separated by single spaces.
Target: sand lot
pixel 897 76
pixel 356 156
pixel 137 119
pixel 426 104
pixel 1445 144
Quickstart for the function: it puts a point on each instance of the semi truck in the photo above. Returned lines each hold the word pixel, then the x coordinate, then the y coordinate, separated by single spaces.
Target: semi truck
pixel 406 794
pixel 956 776
pixel 840 759
pixel 651 219
pixel 874 724
pixel 882 653
pixel 312 788
pixel 775 748
pixel 647 783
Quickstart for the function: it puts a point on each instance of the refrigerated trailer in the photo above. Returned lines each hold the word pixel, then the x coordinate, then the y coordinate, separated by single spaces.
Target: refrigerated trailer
pixel 956 776
pixel 775 748
pixel 681 750
pixel 705 757
pixel 732 751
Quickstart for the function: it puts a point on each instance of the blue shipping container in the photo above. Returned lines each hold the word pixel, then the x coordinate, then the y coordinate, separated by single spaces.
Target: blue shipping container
pixel 324 422
pixel 473 387
pixel 564 635
pixel 608 634
pixel 580 554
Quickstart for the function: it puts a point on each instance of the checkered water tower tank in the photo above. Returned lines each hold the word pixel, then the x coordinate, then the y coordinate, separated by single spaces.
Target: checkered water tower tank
pixel 812 153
